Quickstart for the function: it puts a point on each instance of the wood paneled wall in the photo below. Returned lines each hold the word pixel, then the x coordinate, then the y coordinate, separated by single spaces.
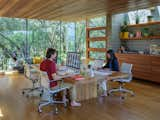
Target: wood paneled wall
pixel 145 67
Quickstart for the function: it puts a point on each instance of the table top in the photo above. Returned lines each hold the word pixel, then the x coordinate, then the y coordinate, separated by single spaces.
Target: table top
pixel 98 77
pixel 116 75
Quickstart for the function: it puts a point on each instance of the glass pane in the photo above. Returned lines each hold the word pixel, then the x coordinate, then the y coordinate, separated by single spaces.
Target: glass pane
pixel 32 37
pixel 81 38
pixel 70 36
pixel 98 44
pixel 158 10
pixel 97 33
pixel 98 55
pixel 97 22
pixel 141 14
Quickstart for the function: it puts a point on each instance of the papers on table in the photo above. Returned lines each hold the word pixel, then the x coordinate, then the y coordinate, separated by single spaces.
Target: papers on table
pixel 65 71
pixel 78 77
pixel 62 68
pixel 103 72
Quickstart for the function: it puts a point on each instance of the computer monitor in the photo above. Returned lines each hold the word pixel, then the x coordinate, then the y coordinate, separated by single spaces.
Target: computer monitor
pixel 73 60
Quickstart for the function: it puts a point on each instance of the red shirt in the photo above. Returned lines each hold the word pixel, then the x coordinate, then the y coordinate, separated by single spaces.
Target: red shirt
pixel 49 67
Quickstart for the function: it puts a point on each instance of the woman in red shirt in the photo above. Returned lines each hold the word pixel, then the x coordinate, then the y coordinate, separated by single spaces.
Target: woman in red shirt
pixel 49 66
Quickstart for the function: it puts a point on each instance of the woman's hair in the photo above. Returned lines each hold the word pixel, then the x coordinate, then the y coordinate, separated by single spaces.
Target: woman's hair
pixel 50 51
pixel 111 52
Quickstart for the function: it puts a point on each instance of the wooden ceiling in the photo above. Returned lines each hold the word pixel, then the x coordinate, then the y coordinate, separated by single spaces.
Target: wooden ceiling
pixel 69 9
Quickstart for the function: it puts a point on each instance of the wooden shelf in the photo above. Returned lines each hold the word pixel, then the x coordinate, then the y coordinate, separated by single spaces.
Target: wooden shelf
pixel 142 38
pixel 91 59
pixel 145 24
pixel 97 39
pixel 97 49
pixel 96 28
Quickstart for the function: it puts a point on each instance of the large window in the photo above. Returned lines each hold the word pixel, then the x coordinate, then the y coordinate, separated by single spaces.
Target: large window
pixel 141 14
pixel 158 7
pixel 96 38
pixel 25 38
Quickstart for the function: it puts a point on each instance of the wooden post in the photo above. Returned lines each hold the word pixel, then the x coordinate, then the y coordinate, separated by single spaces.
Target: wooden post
pixel 27 48
pixel 108 30
pixel 87 41
pixel 75 36
pixel 60 40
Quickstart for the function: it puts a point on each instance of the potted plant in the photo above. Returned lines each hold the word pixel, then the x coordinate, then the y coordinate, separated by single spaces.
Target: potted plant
pixel 124 32
pixel 150 18
pixel 137 19
pixel 131 34
pixel 145 32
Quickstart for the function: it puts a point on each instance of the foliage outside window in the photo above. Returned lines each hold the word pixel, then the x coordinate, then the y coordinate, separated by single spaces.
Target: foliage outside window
pixel 98 55
pixel 21 36
pixel 139 14
pixel 97 33
pixel 97 22
pixel 158 7
pixel 38 35
pixel 98 44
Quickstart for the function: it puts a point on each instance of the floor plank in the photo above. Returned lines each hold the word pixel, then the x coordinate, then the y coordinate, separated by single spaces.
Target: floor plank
pixel 144 106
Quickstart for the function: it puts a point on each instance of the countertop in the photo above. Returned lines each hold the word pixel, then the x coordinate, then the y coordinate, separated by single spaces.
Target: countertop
pixel 141 54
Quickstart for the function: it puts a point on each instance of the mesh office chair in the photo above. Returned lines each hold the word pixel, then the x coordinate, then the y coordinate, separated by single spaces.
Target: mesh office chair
pixel 49 95
pixel 34 76
pixel 125 68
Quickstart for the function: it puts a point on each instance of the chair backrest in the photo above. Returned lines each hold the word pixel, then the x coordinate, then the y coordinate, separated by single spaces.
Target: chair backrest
pixel 126 68
pixel 27 70
pixel 31 73
pixel 44 80
pixel 45 83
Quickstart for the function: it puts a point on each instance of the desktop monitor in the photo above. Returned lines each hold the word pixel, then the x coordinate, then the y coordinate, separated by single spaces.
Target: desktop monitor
pixel 73 60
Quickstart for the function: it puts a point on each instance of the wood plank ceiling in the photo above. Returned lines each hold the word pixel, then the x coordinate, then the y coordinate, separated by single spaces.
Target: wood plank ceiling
pixel 69 9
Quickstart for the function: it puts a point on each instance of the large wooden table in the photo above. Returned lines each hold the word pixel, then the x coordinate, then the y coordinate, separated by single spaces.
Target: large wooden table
pixel 88 87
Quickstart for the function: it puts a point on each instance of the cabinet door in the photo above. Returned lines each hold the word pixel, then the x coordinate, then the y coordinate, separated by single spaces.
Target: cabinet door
pixel 155 68
pixel 142 75
pixel 141 65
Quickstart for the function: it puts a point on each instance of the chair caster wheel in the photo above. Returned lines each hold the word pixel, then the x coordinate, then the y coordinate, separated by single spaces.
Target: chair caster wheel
pixel 23 92
pixel 65 105
pixel 40 111
pixel 122 98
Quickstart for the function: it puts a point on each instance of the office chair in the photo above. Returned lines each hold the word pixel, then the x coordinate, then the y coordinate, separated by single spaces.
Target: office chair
pixel 34 76
pixel 125 68
pixel 49 95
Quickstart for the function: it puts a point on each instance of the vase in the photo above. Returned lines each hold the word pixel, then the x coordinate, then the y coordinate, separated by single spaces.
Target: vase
pixel 126 35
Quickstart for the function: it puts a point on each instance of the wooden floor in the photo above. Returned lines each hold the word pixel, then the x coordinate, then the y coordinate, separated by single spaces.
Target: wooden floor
pixel 144 106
